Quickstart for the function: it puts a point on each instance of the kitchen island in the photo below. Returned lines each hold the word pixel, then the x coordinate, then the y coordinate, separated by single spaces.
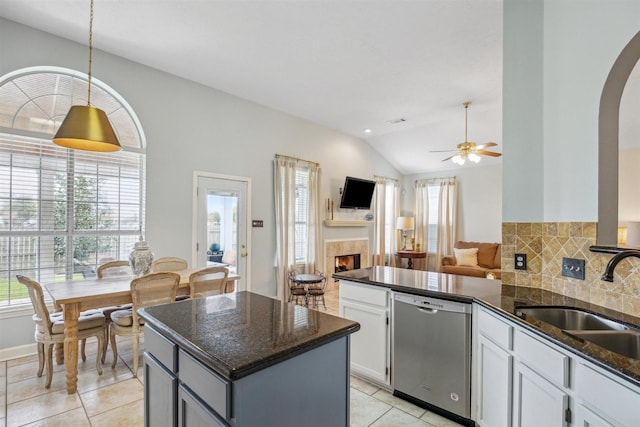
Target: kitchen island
pixel 244 359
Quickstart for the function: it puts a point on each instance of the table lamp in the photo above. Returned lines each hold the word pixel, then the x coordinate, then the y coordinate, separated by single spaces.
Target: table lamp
pixel 404 223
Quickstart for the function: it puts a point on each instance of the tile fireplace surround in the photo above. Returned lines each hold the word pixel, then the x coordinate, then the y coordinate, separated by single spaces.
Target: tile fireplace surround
pixel 337 247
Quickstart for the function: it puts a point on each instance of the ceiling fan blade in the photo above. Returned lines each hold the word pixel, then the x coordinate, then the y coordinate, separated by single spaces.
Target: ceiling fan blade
pixel 488 153
pixel 448 158
pixel 485 145
pixel 442 151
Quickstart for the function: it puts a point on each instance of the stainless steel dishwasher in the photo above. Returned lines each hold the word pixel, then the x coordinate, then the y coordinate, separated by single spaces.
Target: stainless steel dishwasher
pixel 431 359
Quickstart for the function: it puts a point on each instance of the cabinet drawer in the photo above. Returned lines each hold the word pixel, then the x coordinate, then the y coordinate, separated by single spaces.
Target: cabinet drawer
pixel 497 330
pixel 364 293
pixel 162 349
pixel 607 396
pixel 214 390
pixel 192 413
pixel 548 362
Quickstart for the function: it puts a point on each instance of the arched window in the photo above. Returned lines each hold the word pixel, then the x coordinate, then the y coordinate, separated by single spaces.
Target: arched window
pixel 62 211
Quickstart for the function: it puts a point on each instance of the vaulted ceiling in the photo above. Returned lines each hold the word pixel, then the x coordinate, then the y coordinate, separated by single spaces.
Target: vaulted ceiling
pixel 348 65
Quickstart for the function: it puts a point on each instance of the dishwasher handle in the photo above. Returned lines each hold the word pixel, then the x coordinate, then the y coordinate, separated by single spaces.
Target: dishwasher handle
pixel 427 310
pixel 434 304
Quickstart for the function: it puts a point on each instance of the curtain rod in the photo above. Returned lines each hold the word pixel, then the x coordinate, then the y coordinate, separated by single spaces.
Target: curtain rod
pixel 385 177
pixel 298 159
pixel 443 178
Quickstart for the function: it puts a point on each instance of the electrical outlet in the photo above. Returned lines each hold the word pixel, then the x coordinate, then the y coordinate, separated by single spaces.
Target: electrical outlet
pixel 572 267
pixel 520 261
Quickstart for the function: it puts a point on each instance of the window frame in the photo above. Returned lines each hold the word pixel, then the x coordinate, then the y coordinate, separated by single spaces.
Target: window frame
pixel 132 156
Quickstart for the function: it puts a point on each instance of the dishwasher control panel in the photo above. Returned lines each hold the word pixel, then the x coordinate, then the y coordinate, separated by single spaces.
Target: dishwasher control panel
pixel 433 303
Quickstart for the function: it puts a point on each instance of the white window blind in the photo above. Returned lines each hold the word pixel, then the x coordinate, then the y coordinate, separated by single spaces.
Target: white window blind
pixel 302 215
pixel 434 199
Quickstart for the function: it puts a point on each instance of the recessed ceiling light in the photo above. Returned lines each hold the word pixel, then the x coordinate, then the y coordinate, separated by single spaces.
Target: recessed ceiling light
pixel 367 131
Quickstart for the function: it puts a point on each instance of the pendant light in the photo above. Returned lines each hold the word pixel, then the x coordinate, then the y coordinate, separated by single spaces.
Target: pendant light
pixel 86 127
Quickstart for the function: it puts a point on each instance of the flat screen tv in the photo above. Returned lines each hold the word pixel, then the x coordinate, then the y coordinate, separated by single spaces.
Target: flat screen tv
pixel 357 193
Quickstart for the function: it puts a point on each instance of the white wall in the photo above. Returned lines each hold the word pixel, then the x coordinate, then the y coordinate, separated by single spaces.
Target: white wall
pixel 629 179
pixel 580 40
pixel 479 216
pixel 191 127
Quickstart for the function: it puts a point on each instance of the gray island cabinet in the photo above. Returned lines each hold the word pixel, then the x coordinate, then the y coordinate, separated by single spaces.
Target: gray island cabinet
pixel 244 359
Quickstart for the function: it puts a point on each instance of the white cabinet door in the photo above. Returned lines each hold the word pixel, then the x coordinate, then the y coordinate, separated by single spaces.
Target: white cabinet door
pixel 494 381
pixel 537 402
pixel 369 345
pixel 586 418
pixel 606 396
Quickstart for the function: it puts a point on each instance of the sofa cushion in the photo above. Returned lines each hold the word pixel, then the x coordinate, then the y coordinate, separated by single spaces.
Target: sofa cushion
pixel 497 262
pixel 486 252
pixel 464 270
pixel 468 257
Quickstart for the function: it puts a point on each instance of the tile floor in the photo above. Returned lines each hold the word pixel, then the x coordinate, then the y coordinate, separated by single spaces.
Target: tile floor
pixel 115 398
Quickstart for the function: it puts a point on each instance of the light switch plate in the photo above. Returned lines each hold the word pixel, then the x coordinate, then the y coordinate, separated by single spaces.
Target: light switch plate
pixel 572 267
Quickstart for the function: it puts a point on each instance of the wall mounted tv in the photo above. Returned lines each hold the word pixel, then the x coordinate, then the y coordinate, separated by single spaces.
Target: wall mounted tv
pixel 357 193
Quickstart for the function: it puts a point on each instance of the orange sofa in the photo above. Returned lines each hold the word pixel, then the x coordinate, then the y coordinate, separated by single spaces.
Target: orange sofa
pixel 489 259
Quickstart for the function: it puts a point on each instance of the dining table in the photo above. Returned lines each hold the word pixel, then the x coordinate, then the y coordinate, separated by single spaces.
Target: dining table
pixel 73 296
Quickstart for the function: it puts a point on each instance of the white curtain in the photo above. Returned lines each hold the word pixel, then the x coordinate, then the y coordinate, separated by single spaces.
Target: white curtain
pixel 436 201
pixel 386 210
pixel 285 210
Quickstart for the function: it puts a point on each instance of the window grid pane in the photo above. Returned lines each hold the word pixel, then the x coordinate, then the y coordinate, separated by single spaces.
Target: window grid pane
pixel 63 212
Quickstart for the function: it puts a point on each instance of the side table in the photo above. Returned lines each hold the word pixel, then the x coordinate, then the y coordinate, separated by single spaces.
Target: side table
pixel 410 255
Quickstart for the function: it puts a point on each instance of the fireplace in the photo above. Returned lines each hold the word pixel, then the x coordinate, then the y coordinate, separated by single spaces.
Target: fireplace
pixel 335 248
pixel 347 262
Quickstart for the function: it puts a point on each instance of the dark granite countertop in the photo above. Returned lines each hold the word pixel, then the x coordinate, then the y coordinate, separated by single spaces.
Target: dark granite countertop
pixel 241 333
pixel 503 300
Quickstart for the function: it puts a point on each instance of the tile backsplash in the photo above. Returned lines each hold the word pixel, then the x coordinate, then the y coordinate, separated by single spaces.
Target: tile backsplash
pixel 546 243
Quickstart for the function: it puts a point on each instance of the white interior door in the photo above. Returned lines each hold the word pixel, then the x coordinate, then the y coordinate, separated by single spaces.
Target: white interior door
pixel 221 216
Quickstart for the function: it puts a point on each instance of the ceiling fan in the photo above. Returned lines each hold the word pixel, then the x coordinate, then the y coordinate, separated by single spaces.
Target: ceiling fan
pixel 467 149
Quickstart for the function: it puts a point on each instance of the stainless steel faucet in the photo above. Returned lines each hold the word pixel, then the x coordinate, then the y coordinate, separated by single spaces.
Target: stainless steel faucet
pixel 613 262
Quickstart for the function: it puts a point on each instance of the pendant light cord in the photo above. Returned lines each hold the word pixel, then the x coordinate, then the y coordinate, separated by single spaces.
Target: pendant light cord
pixel 90 53
pixel 466 111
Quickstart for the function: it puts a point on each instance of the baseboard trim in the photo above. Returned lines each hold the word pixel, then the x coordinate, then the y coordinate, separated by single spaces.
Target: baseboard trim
pixel 19 351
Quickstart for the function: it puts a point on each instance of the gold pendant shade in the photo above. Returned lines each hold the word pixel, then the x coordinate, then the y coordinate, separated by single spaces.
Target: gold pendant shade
pixel 87 128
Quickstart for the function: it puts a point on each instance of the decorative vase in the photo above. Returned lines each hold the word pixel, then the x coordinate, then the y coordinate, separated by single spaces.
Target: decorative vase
pixel 141 258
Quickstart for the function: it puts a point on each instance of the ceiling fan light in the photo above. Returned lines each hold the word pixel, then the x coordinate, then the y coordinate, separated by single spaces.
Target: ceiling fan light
pixel 458 159
pixel 474 157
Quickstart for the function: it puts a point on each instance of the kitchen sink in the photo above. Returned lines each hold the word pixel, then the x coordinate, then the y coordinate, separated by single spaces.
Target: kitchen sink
pixel 570 318
pixel 626 343
pixel 586 326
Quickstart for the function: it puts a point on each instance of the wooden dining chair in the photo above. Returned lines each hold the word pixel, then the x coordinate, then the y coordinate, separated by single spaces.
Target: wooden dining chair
pixel 146 291
pixel 106 270
pixel 209 281
pixel 50 329
pixel 168 264
pixel 114 268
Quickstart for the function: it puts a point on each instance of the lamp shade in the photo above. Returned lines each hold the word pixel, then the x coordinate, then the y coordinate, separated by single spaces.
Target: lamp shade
pixel 633 233
pixel 87 128
pixel 404 223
